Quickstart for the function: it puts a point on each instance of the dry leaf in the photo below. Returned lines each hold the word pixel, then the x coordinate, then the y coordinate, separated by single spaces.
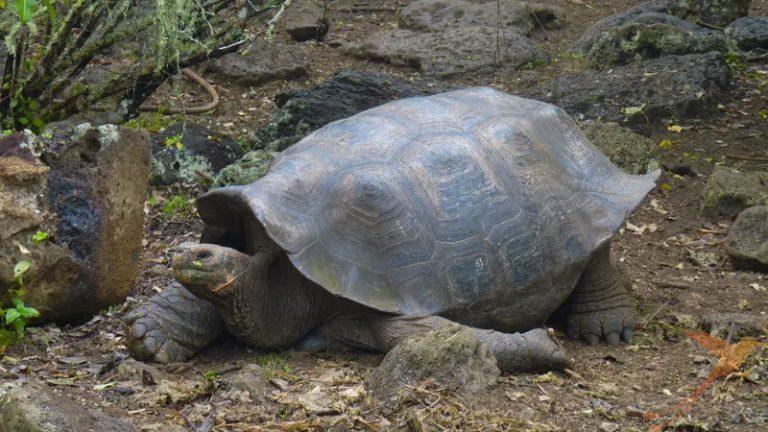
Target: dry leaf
pixel 675 128
pixel 732 356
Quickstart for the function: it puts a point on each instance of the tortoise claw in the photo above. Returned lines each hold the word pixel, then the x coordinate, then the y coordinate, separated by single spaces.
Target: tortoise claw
pixel 611 325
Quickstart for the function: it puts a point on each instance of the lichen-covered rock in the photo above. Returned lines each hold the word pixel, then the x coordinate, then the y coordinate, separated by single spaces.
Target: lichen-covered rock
pixel 749 32
pixel 261 62
pixel 716 12
pixel 251 167
pixel 450 52
pixel 189 153
pixel 33 407
pixel 728 192
pixel 636 95
pixel 516 15
pixel 748 239
pixel 652 35
pixel 630 151
pixel 85 195
pixel 737 324
pixel 452 356
pixel 306 20
pixel 346 93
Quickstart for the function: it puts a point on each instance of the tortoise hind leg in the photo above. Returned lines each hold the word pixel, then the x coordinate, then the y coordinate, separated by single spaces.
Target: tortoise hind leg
pixel 600 307
pixel 532 350
pixel 171 326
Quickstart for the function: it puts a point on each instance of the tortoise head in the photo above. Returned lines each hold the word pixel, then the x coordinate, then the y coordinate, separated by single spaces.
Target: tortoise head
pixel 208 270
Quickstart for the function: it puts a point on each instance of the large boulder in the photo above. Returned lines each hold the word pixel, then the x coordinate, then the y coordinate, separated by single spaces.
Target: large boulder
pixel 748 239
pixel 346 93
pixel 306 20
pixel 33 407
pixel 630 151
pixel 189 153
pixel 72 208
pixel 749 32
pixel 715 12
pixel 652 35
pixel 729 191
pixel 451 52
pixel 261 62
pixel 689 86
pixel 519 16
pixel 451 356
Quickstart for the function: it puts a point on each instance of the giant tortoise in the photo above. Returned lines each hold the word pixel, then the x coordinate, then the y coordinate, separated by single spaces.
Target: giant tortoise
pixel 471 206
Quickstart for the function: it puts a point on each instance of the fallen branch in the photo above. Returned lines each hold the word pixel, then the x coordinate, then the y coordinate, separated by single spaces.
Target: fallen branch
pixel 188 73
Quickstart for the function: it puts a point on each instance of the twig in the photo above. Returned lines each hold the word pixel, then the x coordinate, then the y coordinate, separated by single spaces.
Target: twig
pixel 188 73
pixel 670 284
pixel 708 25
pixel 747 158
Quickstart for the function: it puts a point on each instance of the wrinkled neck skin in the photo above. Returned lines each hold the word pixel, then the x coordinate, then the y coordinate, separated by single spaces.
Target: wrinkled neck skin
pixel 269 304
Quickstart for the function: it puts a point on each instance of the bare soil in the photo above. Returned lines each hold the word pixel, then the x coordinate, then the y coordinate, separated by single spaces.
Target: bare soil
pixel 607 389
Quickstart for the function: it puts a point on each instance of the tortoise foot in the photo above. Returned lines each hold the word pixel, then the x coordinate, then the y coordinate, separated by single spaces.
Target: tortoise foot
pixel 171 326
pixel 612 325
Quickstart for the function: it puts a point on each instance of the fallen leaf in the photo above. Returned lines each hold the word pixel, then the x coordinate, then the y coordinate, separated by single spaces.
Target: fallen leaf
pixel 731 357
pixel 675 128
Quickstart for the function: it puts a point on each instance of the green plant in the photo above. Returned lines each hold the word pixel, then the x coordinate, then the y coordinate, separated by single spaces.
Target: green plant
pixel 177 204
pixel 15 316
pixel 274 366
pixel 174 142
pixel 40 237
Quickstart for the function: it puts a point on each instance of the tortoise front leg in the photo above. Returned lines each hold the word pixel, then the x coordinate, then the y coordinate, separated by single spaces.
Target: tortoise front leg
pixel 600 306
pixel 171 326
pixel 514 352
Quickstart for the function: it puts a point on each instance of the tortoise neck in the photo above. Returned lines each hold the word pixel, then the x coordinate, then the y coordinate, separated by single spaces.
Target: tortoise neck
pixel 272 305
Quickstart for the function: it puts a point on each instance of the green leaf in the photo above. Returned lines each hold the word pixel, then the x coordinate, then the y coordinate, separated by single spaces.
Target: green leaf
pixel 20 268
pixel 51 11
pixel 25 9
pixel 210 374
pixel 27 312
pixel 40 237
pixel 11 315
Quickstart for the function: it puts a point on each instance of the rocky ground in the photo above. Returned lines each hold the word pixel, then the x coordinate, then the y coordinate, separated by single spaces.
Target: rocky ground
pixel 702 118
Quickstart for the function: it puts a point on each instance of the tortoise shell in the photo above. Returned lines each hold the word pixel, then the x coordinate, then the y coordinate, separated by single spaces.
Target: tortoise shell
pixel 468 201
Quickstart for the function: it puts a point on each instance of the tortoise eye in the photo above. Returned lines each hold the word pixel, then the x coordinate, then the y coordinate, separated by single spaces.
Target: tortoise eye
pixel 204 254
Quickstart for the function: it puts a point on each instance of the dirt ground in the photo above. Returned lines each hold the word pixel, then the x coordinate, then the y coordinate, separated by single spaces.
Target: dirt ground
pixel 608 389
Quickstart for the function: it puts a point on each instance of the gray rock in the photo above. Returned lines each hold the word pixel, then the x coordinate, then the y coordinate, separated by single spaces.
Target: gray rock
pixel 716 12
pixel 630 151
pixel 668 7
pixel 652 35
pixel 637 95
pixel 451 356
pixel 133 370
pixel 451 52
pixel 748 239
pixel 519 16
pixel 85 191
pixel 738 323
pixel 306 20
pixel 32 407
pixel 345 94
pixel 189 153
pixel 749 32
pixel 728 192
pixel 250 379
pixel 251 167
pixel 261 62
